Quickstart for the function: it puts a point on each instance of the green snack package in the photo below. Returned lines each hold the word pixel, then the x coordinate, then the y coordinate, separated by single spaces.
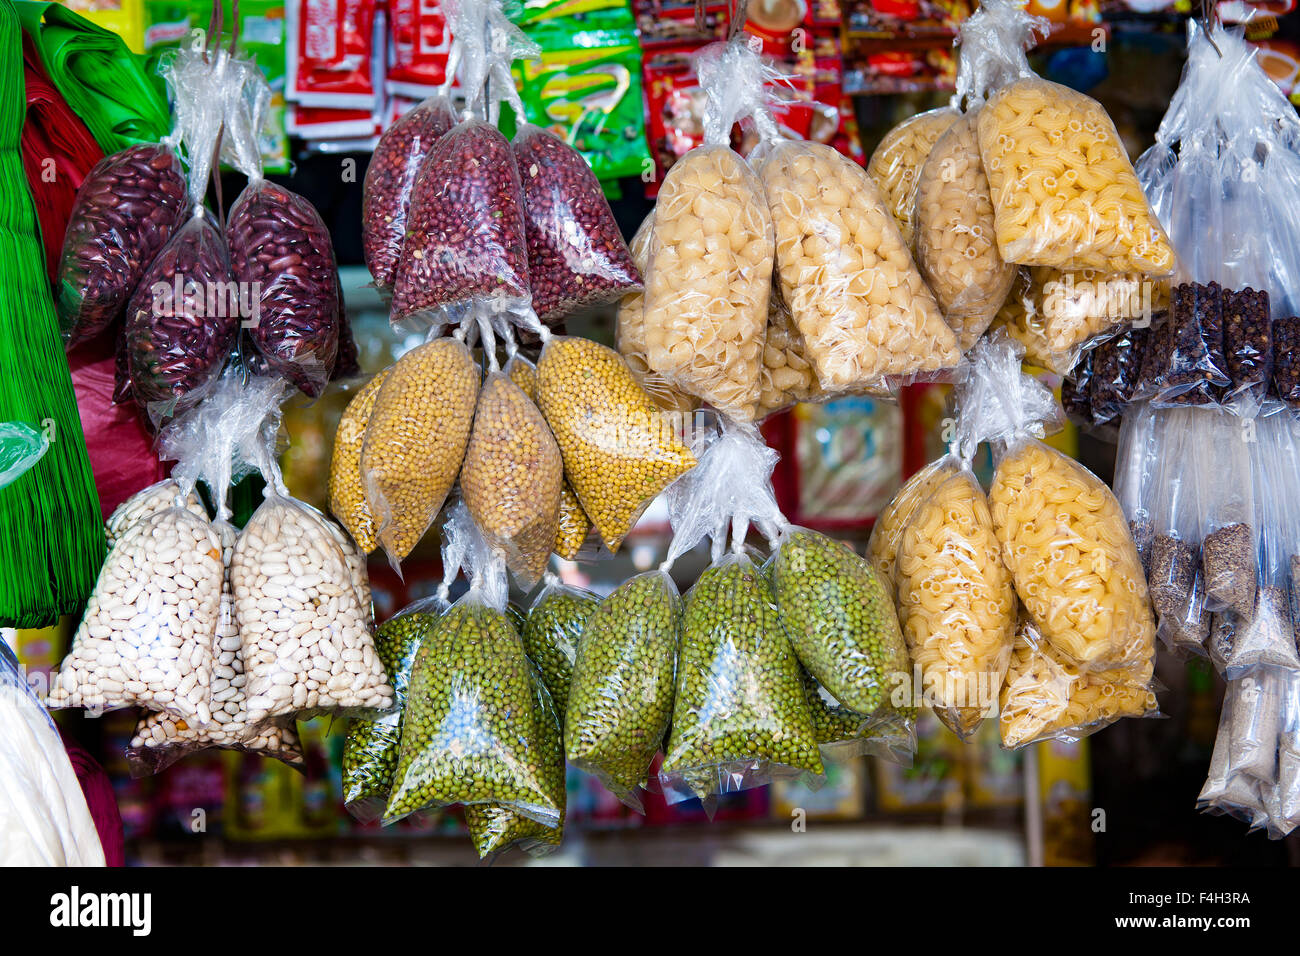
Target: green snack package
pixel 741 717
pixel 840 619
pixel 370 749
pixel 622 692
pixel 551 634
pixel 586 89
pixel 495 828
pixel 843 734
pixel 533 12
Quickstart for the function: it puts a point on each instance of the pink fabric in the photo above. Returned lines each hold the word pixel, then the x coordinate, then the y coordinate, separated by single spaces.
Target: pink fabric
pixel 99 799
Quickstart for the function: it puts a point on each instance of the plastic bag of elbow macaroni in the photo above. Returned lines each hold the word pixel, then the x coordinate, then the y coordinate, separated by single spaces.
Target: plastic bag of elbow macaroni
pixel 1064 192
pixel 895 165
pixel 882 546
pixel 1064 537
pixel 479 727
pixel 711 248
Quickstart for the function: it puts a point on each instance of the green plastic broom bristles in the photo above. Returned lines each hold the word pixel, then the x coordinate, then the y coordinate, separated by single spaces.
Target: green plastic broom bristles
pixel 51 536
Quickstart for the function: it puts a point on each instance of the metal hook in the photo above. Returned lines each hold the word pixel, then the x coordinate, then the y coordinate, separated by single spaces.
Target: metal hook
pixel 1209 14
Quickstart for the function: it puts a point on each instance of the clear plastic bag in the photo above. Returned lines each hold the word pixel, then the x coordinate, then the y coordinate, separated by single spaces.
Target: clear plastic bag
pixel 390 177
pixel 552 632
pixel 1257 716
pixel 844 735
pixel 956 246
pixel 1064 536
pixel 148 502
pixel 957 605
pixel 895 165
pixel 846 274
pixel 1047 696
pixel 577 258
pixel 887 532
pixel 415 440
pixel 620 449
pixel 1116 363
pixel 622 692
pixel 787 376
pixel 1196 370
pixel 479 727
pixel 1076 392
pixel 1228 551
pixel 512 476
pixel 1236 795
pixel 711 248
pixel 1137 463
pixel 370 750
pixel 347 491
pixel 126 209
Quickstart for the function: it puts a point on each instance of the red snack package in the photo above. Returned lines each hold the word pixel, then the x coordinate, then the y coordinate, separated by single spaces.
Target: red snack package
pixel 331 53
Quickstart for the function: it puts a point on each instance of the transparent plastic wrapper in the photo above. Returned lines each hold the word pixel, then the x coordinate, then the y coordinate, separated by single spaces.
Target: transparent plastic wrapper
pixel 346 489
pixel 1046 696
pixel 1064 192
pixel 629 331
pixel 1286 361
pixel 844 735
pixel 1196 370
pixel 621 698
pixel 1236 795
pixel 1137 463
pixel 479 728
pixel 840 620
pixel 740 717
pixel 1076 392
pixel 147 635
pixel 512 477
pixel 577 258
pixel 1116 364
pixel 846 273
pixel 281 248
pixel 552 632
pixel 182 319
pixel 887 532
pixel 371 747
pixel 1175 579
pixel 711 248
pixel 787 376
pixel 620 449
pixel 21 447
pixel 308 646
pixel 896 164
pixel 415 440
pixel 1064 536
pixel 148 502
pixel 957 605
pixel 1228 551
pixel 126 209
pixel 1247 344
pixel 390 177
pixel 956 248
pixel 1257 714
pixel 1268 636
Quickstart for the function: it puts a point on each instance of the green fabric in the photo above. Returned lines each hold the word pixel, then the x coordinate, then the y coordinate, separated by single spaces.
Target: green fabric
pixel 51 532
pixel 106 84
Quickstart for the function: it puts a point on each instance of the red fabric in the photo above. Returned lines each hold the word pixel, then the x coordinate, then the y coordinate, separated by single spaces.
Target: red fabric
pixel 99 799
pixel 53 132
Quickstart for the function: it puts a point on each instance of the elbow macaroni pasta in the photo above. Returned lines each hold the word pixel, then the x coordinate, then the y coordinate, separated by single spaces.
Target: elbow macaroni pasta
pixel 710 280
pixel 629 332
pixel 1046 695
pixel 1075 567
pixel 882 546
pixel 846 274
pixel 896 163
pixel 956 603
pixel 1064 192
pixel 956 249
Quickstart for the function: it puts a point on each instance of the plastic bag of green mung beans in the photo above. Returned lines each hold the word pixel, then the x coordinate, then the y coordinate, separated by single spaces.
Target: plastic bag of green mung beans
pixel 621 697
pixel 474 725
pixel 740 717
pixel 551 632
pixel 843 734
pixel 370 749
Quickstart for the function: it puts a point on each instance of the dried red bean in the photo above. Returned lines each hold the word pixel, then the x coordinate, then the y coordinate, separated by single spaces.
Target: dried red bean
pixel 386 193
pixel 577 257
pixel 126 209
pixel 1286 360
pixel 279 241
pixel 1115 367
pixel 1198 369
pixel 177 345
pixel 1247 341
pixel 465 229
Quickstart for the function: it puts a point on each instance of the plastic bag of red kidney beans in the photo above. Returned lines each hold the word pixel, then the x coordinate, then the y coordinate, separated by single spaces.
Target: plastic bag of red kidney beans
pixel 390 177
pixel 126 208
pixel 577 257
pixel 280 253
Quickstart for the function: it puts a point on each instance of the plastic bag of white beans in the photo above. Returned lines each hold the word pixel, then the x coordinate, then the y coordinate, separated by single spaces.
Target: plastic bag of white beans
pixel 147 636
pixel 149 501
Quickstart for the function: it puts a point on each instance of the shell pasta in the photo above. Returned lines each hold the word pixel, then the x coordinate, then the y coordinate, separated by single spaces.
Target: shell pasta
pixel 1064 192
pixel 956 602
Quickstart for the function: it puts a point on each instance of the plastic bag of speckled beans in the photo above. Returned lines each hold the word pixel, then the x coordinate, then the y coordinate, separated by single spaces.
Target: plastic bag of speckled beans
pixel 576 254
pixel 126 209
pixel 390 177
